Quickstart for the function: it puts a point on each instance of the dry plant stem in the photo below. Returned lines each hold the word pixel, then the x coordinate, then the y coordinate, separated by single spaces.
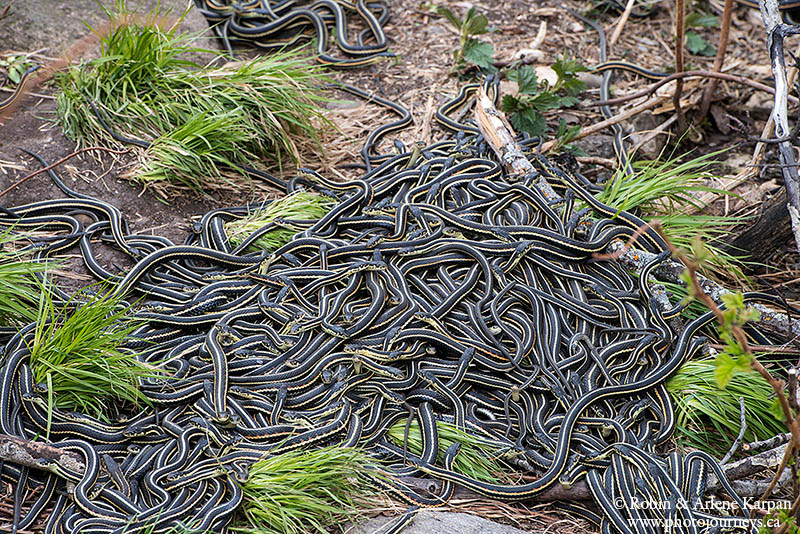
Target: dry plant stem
pixel 724 32
pixel 740 437
pixel 776 31
pixel 621 24
pixel 647 91
pixel 56 164
pixel 680 10
pixel 6 10
pixel 602 125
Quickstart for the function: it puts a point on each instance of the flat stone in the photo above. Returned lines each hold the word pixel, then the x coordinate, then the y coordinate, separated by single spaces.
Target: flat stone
pixel 438 522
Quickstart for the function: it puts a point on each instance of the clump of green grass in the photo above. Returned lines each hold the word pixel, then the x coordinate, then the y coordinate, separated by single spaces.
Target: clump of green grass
pixel 19 286
pixel 708 417
pixel 664 190
pixel 477 458
pixel 78 352
pixel 203 121
pixel 297 211
pixel 303 490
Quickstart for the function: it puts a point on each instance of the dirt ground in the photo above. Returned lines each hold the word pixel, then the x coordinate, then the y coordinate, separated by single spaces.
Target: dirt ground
pixel 420 80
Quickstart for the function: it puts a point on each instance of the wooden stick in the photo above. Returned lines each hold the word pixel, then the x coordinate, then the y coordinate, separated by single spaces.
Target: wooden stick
pixel 724 31
pixel 600 126
pixel 37 455
pixel 500 136
pixel 621 24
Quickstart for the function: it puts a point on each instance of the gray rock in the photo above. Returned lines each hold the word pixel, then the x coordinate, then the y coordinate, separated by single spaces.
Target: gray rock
pixel 591 80
pixel 437 522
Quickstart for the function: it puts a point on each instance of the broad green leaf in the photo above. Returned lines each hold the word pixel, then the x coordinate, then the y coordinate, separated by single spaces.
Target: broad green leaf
pixel 509 103
pixel 733 301
pixel 699 20
pixel 526 79
pixel 724 370
pixel 743 363
pixel 697 45
pixel 567 101
pixel 479 53
pixel 14 75
pixel 449 15
pixel 476 25
pixel 528 120
pixel 543 101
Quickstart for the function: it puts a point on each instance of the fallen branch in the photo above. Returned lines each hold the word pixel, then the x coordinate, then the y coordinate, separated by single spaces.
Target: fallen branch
pixel 776 31
pixel 670 271
pixel 37 455
pixel 500 136
pixel 602 125
pixel 647 91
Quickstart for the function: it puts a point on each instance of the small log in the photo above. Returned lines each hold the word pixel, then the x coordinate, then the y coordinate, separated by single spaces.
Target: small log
pixel 670 271
pixel 750 466
pixel 38 455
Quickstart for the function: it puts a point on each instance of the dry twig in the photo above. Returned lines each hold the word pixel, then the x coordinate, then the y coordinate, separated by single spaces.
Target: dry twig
pixel 723 45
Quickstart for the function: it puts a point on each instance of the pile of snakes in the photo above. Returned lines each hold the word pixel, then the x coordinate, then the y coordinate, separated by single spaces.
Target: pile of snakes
pixel 268 25
pixel 438 289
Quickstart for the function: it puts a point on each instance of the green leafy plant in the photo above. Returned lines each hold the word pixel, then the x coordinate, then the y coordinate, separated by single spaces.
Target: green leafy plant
pixel 15 66
pixel 477 458
pixel 295 212
pixel 303 490
pixel 78 351
pixel 695 43
pixel 535 96
pixel 708 416
pixel 734 357
pixel 204 122
pixel 737 354
pixel 19 286
pixel 470 49
pixel 665 190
